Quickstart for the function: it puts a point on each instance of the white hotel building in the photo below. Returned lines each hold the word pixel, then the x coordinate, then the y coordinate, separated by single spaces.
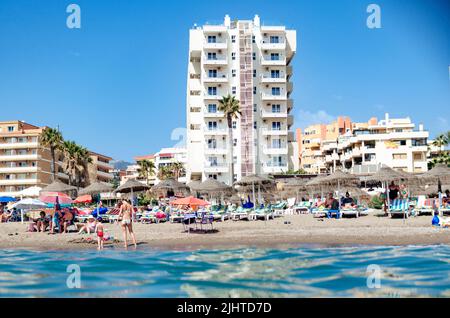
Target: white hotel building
pixel 253 63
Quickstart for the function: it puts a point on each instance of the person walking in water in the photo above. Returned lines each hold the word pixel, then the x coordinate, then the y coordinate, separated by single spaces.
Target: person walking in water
pixel 125 215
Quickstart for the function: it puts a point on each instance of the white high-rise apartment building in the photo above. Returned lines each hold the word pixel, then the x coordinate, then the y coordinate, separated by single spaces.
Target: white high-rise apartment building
pixel 253 63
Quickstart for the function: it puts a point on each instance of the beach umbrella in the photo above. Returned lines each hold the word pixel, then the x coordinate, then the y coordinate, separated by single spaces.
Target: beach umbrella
pixel 33 191
pixel 340 178
pixel 55 198
pixel 439 174
pixel 170 185
pixel 96 188
pixel 254 180
pixel 316 183
pixel 87 198
pixel 213 187
pixel 190 201
pixel 297 185
pixel 28 204
pixel 58 186
pixel 7 199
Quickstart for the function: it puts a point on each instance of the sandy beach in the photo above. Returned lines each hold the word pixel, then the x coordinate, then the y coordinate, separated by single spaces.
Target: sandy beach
pixel 372 229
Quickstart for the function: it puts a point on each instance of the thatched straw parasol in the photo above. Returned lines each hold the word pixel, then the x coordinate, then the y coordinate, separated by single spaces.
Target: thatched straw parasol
pixel 58 186
pixel 340 178
pixel 387 174
pixel 213 188
pixel 96 188
pixel 132 186
pixel 254 180
pixel 439 174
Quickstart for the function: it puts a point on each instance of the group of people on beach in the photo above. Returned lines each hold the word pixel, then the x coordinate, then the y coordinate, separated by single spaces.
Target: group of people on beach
pixel 62 219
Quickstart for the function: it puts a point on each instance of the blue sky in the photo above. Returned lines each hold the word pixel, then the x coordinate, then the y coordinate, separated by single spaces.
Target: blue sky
pixel 118 84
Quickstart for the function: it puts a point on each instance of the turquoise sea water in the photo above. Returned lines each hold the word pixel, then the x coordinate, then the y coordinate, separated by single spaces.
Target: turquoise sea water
pixel 247 272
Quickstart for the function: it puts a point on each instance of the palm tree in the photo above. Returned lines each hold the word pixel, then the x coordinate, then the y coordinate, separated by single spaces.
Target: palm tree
pixel 443 155
pixel 75 163
pixel 53 139
pixel 146 169
pixel 177 169
pixel 230 106
pixel 165 172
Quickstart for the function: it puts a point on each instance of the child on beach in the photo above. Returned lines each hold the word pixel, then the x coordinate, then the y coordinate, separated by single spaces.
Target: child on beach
pixel 100 233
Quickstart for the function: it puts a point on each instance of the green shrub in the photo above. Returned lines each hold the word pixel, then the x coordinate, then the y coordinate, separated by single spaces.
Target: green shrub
pixel 376 203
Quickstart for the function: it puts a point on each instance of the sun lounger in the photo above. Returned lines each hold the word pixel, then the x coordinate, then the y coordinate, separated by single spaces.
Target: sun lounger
pixel 302 207
pixel 278 209
pixel 399 207
pixel 350 211
pixel 240 214
pixel 263 213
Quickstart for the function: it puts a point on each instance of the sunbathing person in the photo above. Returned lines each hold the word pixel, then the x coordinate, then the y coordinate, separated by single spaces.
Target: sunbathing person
pixel 89 227
pixel 67 220
pixel 5 216
pixel 42 222
pixel 348 201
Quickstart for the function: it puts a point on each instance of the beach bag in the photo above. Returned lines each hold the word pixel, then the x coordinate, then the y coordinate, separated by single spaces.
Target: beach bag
pixel 435 221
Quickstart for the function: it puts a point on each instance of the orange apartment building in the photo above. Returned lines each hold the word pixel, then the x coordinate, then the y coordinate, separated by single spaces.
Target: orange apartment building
pixel 24 162
pixel 310 154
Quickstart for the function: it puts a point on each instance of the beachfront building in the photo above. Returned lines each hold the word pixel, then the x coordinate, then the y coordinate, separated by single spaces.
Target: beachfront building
pixel 163 158
pixel 394 142
pixel 24 162
pixel 253 63
pixel 311 140
pixel 100 168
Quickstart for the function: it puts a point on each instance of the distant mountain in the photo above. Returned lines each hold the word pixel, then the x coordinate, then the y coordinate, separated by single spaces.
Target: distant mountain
pixel 120 164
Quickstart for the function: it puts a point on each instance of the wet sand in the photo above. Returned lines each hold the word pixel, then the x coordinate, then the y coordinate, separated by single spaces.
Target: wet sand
pixel 372 229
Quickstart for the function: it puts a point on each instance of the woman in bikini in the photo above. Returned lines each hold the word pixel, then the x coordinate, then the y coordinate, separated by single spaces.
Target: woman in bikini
pixel 125 215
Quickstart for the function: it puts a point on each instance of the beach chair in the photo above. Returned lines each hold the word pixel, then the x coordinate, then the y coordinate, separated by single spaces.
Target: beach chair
pixel 204 219
pixel 302 207
pixel 113 215
pixel 319 212
pixel 264 213
pixel 278 209
pixel 240 214
pixel 350 211
pixel 399 207
pixel 290 206
pixel 426 206
pixel 176 216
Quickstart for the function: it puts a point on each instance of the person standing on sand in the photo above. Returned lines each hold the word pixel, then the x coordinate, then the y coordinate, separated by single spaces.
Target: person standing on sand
pixel 100 233
pixel 125 216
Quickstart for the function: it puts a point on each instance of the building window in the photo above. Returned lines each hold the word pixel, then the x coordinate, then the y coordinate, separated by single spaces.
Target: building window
pixel 233 73
pixel 276 125
pixel 233 39
pixel 369 157
pixel 212 39
pixel 212 125
pixel 212 144
pixel 276 91
pixel 253 39
pixel 276 143
pixel 255 107
pixel 255 125
pixel 212 56
pixel 276 108
pixel 275 73
pixel 233 90
pixel 254 73
pixel 274 39
pixel 212 90
pixel 233 56
pixel 212 108
pixel 254 90
pixel 234 142
pixel 212 73
pixel 418 156
pixel 274 56
pixel 10 128
pixel 254 56
pixel 233 124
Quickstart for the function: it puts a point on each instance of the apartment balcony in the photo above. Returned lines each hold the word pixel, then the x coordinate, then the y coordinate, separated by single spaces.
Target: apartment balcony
pixel 219 61
pixel 363 169
pixel 18 169
pixel 270 114
pixel 219 150
pixel 215 132
pixel 105 175
pixel 269 150
pixel 20 157
pixel 267 96
pixel 218 45
pixel 266 44
pixel 268 78
pixel 215 167
pixel 268 61
pixel 19 145
pixel 275 167
pixel 274 132
pixel 28 181
pixel 220 78
pixel 346 156
pixel 331 158
pixel 290 120
pixel 217 97
pixel 105 165
pixel 217 114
